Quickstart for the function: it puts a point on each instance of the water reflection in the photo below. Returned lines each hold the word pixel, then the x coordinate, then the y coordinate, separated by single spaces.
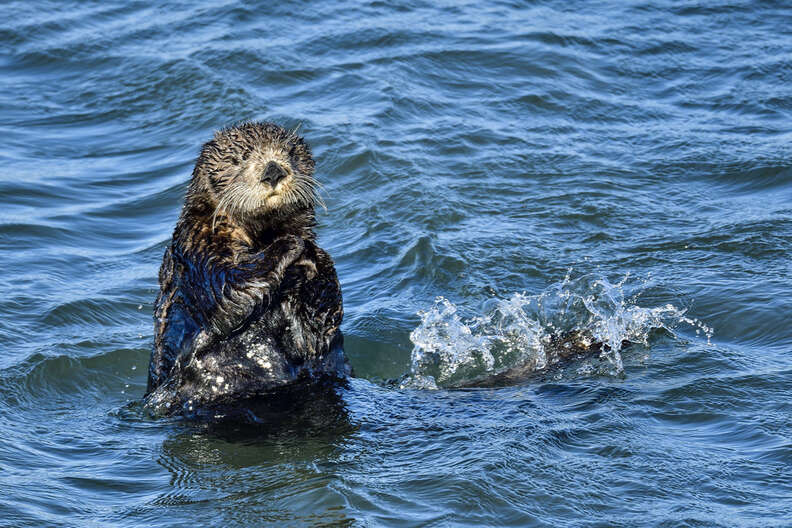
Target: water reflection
pixel 300 411
pixel 281 465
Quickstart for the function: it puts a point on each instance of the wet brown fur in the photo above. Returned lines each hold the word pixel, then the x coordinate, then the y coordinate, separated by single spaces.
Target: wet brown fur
pixel 243 274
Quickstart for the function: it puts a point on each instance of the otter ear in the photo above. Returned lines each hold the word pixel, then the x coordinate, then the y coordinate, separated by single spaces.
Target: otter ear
pixel 208 153
pixel 206 173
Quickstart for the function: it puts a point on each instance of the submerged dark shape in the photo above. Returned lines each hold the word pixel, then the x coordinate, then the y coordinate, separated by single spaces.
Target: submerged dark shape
pixel 562 349
pixel 248 303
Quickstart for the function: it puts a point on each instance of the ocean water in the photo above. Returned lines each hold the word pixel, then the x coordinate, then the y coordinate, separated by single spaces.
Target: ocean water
pixel 495 174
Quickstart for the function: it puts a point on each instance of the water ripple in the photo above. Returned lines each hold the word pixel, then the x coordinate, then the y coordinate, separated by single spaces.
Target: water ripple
pixel 467 151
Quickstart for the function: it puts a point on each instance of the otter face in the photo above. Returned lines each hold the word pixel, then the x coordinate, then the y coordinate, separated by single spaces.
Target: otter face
pixel 258 169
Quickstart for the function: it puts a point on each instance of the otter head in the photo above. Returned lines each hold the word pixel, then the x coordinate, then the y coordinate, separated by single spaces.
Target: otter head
pixel 256 171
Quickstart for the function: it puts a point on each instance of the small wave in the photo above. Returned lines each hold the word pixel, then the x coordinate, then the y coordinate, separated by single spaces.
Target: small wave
pixel 527 334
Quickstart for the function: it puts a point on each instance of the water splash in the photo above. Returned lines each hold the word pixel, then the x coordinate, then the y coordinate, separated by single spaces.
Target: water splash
pixel 529 333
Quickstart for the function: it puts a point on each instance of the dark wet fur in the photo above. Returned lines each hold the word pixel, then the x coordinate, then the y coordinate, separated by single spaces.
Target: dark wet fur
pixel 308 404
pixel 563 349
pixel 248 303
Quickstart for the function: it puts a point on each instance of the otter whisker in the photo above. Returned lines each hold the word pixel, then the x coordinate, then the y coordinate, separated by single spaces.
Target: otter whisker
pixel 295 196
pixel 221 205
pixel 230 201
pixel 307 196
pixel 294 132
pixel 318 200
pixel 313 188
pixel 315 183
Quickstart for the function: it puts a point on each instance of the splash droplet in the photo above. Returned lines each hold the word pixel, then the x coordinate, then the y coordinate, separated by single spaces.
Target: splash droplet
pixel 521 331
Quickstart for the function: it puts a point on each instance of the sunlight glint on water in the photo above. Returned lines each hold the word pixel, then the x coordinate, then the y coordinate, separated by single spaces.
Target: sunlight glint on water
pixel 518 332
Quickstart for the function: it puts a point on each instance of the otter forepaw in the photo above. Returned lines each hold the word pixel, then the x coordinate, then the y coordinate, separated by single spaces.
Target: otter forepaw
pixel 241 301
pixel 308 266
pixel 287 247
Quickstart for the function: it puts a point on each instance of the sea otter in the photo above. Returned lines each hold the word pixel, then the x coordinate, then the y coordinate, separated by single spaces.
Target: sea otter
pixel 248 303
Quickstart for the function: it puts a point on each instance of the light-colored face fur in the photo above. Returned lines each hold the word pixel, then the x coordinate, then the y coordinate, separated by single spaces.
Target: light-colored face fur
pixel 255 170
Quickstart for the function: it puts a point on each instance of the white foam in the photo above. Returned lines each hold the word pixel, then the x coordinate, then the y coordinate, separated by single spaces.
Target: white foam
pixel 515 332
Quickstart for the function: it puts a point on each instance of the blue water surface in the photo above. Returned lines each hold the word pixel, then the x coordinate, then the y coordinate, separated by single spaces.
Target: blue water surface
pixel 633 156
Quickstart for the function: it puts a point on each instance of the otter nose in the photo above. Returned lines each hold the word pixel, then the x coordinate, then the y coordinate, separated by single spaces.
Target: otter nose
pixel 273 173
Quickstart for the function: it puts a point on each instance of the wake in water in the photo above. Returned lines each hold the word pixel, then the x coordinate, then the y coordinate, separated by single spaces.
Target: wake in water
pixel 587 317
